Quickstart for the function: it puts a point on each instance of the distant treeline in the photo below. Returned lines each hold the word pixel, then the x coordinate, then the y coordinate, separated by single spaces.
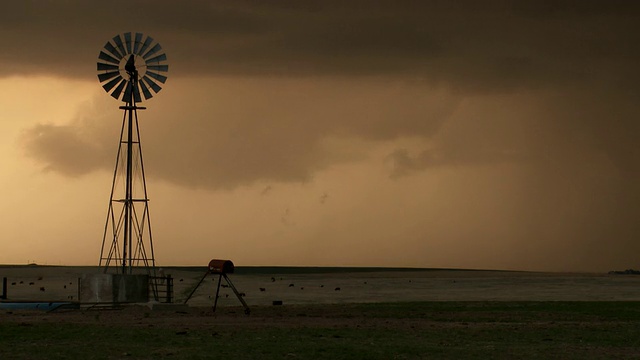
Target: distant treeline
pixel 625 272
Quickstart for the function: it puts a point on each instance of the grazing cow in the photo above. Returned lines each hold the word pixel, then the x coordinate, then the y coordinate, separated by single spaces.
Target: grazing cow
pixel 42 288
pixel 32 283
pixel 291 285
pixel 263 289
pixel 337 289
pixel 273 279
pixel 13 283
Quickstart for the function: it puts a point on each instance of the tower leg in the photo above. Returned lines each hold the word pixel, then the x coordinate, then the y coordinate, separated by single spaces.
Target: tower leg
pixel 246 307
pixel 196 288
pixel 215 302
pixel 128 227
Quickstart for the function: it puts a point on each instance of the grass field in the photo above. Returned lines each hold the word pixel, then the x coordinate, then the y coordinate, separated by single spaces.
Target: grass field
pixel 378 313
pixel 403 330
pixel 308 285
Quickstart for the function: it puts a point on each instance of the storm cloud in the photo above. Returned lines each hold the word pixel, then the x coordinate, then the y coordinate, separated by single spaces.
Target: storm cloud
pixel 533 104
pixel 377 66
pixel 493 45
pixel 236 132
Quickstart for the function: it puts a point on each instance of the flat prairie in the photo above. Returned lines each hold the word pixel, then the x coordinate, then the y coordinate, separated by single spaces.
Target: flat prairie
pixel 263 285
pixel 334 313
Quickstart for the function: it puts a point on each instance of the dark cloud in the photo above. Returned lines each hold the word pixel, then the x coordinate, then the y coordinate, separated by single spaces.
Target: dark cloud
pixel 232 132
pixel 577 59
pixel 62 149
pixel 568 48
pixel 472 46
pixel 74 149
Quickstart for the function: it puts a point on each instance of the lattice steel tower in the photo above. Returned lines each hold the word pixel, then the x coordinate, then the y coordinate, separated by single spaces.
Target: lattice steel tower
pixel 130 66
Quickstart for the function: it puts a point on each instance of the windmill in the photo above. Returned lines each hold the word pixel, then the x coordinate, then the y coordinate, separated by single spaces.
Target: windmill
pixel 130 67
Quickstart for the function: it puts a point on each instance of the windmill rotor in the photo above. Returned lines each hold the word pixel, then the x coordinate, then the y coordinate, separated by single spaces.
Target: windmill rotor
pixel 132 62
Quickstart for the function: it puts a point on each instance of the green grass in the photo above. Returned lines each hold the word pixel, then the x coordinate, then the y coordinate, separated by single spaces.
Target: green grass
pixel 424 330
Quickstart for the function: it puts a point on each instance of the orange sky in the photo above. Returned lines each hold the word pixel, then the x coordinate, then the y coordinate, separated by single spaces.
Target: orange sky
pixel 331 134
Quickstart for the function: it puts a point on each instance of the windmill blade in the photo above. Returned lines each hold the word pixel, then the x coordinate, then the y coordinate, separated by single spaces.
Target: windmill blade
pixel 107 67
pixel 153 50
pixel 147 43
pixel 152 84
pixel 127 41
pixel 108 58
pixel 158 58
pixel 158 77
pixel 108 86
pixel 127 92
pixel 137 43
pixel 116 93
pixel 145 90
pixel 119 44
pixel 110 48
pixel 136 93
pixel 106 76
pixel 158 67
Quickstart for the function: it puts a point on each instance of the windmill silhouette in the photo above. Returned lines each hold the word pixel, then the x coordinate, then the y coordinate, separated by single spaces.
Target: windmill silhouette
pixel 130 67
